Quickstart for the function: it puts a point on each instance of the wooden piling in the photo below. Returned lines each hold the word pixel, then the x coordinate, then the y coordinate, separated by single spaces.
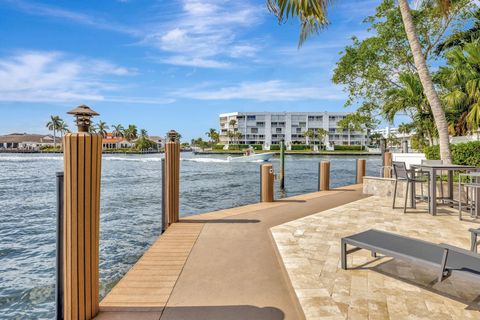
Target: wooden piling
pixel 361 168
pixel 172 182
pixel 82 162
pixel 266 183
pixel 324 176
pixel 282 164
pixel 387 165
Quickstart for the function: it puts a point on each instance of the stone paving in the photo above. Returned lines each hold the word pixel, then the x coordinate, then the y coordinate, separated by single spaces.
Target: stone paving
pixel 376 288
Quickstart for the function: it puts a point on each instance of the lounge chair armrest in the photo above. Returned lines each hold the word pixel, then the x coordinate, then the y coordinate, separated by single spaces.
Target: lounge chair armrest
pixel 460 250
pixel 475 231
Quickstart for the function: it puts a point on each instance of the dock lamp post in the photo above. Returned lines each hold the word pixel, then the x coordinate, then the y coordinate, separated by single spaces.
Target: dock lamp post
pixel 171 180
pixel 82 166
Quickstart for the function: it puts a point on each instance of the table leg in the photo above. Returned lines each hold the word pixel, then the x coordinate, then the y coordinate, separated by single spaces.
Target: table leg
pixel 450 185
pixel 412 195
pixel 433 192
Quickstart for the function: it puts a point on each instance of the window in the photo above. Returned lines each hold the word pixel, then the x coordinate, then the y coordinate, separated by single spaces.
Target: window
pixel 303 124
pixel 274 124
pixel 278 130
pixel 254 130
pixel 281 124
pixel 251 117
pixel 298 130
pixel 311 118
pixel 241 117
pixel 260 124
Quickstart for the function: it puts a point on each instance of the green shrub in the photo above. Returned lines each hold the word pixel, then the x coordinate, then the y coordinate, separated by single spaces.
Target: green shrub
pixel 275 147
pixel 257 147
pixel 218 146
pixel 347 148
pixel 233 147
pixel 300 147
pixel 463 153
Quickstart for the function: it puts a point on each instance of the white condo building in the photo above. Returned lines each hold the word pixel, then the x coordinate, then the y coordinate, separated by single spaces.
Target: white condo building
pixel 269 128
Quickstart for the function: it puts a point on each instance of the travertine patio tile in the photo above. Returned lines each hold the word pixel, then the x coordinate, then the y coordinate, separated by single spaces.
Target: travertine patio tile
pixel 377 288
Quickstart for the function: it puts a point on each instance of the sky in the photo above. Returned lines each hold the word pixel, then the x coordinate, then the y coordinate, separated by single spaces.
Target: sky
pixel 165 65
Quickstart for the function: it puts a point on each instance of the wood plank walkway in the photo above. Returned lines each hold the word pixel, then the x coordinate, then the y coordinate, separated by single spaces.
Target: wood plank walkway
pixel 149 283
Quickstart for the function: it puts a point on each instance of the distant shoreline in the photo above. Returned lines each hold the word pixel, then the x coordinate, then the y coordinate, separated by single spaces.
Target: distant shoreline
pixel 300 153
pixel 61 152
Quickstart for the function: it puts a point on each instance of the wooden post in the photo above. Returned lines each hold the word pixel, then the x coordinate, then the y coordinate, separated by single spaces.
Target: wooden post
pixel 282 164
pixel 266 183
pixel 324 176
pixel 82 164
pixel 361 167
pixel 387 167
pixel 172 179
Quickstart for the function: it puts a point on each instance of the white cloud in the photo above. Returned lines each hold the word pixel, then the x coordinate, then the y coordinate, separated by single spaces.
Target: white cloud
pixel 205 31
pixel 55 77
pixel 273 90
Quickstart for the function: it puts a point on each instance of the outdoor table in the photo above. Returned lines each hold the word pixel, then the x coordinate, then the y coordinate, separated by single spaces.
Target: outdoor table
pixel 432 170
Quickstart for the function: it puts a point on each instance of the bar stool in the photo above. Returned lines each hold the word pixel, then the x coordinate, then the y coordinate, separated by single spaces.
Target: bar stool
pixel 402 174
pixel 470 187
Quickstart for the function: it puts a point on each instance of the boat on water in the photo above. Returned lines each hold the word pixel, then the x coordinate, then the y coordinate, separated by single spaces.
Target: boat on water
pixel 250 156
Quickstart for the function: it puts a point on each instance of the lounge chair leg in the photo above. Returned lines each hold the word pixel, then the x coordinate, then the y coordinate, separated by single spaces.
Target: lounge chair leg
pixel 344 255
pixel 374 254
pixel 406 198
pixel 442 274
pixel 394 194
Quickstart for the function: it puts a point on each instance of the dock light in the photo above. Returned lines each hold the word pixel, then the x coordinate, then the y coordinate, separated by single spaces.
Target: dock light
pixel 172 135
pixel 83 115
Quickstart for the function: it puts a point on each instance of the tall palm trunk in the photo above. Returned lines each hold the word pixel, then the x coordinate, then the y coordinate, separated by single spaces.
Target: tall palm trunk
pixel 54 137
pixel 427 83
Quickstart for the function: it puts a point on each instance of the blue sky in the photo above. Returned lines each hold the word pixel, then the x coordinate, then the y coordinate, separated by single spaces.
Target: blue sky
pixel 164 64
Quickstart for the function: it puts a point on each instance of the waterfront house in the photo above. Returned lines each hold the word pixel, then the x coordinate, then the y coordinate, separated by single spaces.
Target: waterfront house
pixel 111 142
pixel 27 141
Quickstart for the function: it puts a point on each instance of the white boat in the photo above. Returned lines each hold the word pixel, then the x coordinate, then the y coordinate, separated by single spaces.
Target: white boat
pixel 251 156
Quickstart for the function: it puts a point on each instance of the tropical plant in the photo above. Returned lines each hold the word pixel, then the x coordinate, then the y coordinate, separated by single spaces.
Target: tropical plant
pixel 143 133
pixel 53 125
pixel 461 80
pixel 101 128
pixel 238 136
pixel 131 132
pixel 213 135
pixel 351 122
pixel 309 134
pixel 459 38
pixel 408 98
pixel 118 131
pixel 321 133
pixel 63 128
pixel 375 138
pixel 230 136
pixel 232 123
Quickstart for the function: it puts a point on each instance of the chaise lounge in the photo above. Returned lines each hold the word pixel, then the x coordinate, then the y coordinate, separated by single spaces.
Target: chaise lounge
pixel 445 258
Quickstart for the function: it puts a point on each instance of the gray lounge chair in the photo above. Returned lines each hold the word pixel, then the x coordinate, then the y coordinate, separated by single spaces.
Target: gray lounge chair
pixel 444 257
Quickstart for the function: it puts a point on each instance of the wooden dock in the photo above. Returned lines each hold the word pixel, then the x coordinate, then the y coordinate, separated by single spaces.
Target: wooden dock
pixel 218 265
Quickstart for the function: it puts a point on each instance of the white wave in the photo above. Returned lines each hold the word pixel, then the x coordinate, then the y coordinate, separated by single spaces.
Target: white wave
pixel 18 158
pixel 132 159
pixel 206 160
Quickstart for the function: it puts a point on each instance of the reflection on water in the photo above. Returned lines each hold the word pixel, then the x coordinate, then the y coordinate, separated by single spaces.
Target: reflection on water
pixel 130 212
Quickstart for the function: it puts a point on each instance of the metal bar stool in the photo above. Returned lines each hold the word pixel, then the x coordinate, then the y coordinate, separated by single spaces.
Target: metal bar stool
pixel 402 174
pixel 471 187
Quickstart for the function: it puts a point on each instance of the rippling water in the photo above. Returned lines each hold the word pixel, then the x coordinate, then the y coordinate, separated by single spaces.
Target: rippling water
pixel 130 212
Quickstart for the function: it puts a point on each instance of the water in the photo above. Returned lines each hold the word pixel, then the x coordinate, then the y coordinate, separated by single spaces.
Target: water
pixel 130 212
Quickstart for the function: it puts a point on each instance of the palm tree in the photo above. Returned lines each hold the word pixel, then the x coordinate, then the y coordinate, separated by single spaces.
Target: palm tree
pixel 309 134
pixel 53 125
pixel 143 133
pixel 213 135
pixel 230 136
pixel 350 123
pixel 461 80
pixel 232 123
pixel 63 128
pixel 238 136
pixel 102 128
pixel 118 130
pixel 131 132
pixel 313 17
pixel 321 134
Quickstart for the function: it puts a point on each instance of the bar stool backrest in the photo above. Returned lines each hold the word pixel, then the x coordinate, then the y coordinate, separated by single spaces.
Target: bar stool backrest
pixel 432 162
pixel 400 170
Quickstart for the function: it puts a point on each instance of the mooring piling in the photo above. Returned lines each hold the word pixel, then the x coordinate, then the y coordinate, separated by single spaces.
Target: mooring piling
pixel 60 248
pixel 282 164
pixel 266 183
pixel 82 175
pixel 387 165
pixel 324 175
pixel 171 180
pixel 361 168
